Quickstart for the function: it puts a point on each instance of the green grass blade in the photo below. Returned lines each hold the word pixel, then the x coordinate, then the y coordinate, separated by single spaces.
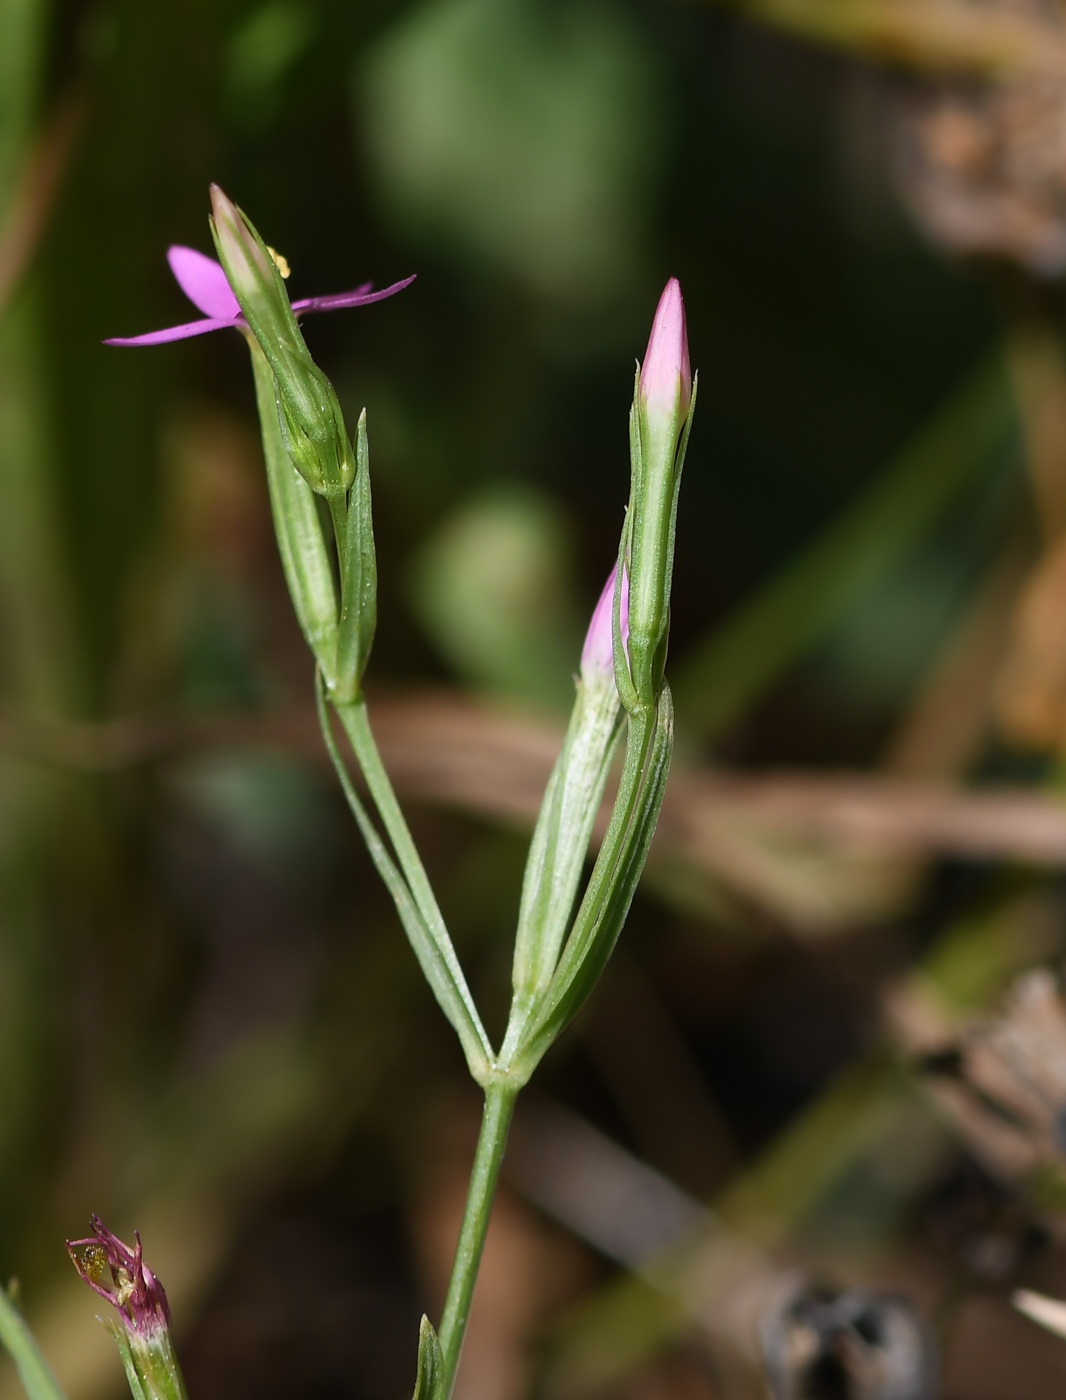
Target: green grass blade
pixel 20 1344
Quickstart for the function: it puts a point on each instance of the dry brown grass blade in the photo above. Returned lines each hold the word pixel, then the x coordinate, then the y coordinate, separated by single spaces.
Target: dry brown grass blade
pixel 879 815
pixel 773 838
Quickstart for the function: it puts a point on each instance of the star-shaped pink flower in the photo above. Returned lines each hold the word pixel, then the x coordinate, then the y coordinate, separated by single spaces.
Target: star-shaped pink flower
pixel 204 283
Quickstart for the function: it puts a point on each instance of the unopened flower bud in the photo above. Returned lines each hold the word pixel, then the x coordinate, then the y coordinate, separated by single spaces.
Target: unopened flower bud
pixel 598 652
pixel 309 415
pixel 250 270
pixel 662 413
pixel 665 376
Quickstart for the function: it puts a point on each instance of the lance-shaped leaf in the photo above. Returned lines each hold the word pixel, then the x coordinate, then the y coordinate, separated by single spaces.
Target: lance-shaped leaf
pixel 611 886
pixel 359 577
pixel 430 1383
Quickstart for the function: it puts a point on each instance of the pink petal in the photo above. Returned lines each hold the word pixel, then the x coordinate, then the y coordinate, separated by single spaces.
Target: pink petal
pixel 213 323
pixel 203 282
pixel 598 651
pixel 362 296
pixel 666 376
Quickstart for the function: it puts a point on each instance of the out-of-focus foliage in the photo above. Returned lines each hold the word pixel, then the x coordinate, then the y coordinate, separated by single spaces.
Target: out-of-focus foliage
pixel 493 589
pixel 210 1026
pixel 524 136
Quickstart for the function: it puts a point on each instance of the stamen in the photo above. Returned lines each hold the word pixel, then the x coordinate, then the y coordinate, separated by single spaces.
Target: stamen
pixel 280 261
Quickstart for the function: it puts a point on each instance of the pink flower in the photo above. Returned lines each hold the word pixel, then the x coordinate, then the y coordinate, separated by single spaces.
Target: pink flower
pixel 204 283
pixel 598 651
pixel 666 375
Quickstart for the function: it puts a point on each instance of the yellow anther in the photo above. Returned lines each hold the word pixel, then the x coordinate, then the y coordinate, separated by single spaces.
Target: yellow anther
pixel 94 1261
pixel 280 261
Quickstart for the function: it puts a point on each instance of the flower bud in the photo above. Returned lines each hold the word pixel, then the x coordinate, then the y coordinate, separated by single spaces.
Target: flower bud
pixel 252 273
pixel 120 1275
pixel 665 376
pixel 312 426
pixel 598 652
pixel 660 420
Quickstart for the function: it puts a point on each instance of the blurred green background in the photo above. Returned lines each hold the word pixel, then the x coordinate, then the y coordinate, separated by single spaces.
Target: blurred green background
pixel 211 1028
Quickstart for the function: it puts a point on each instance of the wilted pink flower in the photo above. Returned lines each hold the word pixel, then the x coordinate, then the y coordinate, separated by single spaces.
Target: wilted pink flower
pixel 202 280
pixel 598 651
pixel 666 372
pixel 134 1290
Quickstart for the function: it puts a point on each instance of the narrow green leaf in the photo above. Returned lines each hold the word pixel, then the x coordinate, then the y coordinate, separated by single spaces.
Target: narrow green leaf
pixel 359 577
pixel 21 1345
pixel 301 542
pixel 122 1341
pixel 435 954
pixel 429 1382
pixel 722 676
pixel 356 724
pixel 612 885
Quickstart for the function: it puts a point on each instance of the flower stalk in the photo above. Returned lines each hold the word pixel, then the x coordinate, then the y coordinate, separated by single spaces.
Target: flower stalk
pixel 485 1173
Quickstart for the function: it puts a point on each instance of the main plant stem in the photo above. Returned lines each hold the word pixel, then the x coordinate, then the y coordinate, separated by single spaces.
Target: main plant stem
pixel 499 1106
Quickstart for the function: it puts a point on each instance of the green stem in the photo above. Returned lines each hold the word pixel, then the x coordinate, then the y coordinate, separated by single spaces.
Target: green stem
pixel 499 1106
pixel 356 724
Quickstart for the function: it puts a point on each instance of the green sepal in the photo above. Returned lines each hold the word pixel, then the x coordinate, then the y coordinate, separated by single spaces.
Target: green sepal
pixel 560 841
pixel 301 541
pixel 623 678
pixel 359 577
pixel 430 1379
pixel 611 887
pixel 151 1367
pixel 21 1345
pixel 122 1341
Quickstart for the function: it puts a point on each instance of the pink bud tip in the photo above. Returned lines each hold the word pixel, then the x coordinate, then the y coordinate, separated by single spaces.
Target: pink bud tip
pixel 666 369
pixel 598 651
